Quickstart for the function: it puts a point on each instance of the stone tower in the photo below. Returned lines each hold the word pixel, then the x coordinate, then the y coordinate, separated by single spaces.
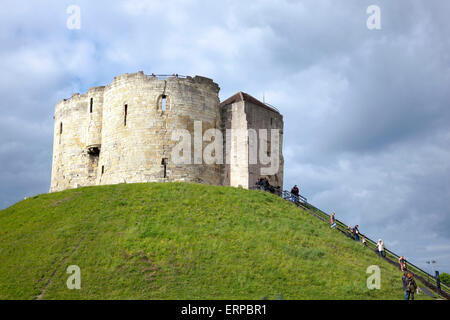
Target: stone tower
pixel 122 132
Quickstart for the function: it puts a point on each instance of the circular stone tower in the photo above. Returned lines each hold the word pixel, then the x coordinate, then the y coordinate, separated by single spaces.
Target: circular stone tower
pixel 139 115
pixel 123 132
pixel 77 127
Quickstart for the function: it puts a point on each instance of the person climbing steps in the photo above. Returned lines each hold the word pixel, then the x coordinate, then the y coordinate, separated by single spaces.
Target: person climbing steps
pixel 356 233
pixel 411 287
pixel 332 220
pixel 294 193
pixel 402 262
pixel 380 246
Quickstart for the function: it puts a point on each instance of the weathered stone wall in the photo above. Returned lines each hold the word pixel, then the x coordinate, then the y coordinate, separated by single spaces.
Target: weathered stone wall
pixel 244 167
pixel 94 131
pixel 122 133
pixel 236 146
pixel 132 150
pixel 259 117
pixel 73 125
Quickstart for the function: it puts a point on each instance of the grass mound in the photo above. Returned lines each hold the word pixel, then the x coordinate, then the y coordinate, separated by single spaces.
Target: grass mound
pixel 180 241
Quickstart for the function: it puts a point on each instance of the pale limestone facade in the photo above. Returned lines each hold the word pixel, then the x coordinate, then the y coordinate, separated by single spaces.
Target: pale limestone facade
pixel 121 133
pixel 243 111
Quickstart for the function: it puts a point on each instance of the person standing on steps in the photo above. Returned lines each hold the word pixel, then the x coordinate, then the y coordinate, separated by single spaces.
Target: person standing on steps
pixel 364 242
pixel 402 262
pixel 411 287
pixel 404 281
pixel 349 232
pixel 258 184
pixel 294 193
pixel 380 246
pixel 356 233
pixel 332 221
pixel 262 184
pixel 265 184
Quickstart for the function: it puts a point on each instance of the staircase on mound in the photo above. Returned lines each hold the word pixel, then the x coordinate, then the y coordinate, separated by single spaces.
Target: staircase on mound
pixel 430 282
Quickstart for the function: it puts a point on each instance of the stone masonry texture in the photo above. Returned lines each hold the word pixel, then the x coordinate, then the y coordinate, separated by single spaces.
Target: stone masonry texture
pixel 122 133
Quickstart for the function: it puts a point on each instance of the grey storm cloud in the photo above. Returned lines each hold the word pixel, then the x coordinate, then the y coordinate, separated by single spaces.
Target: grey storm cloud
pixel 366 111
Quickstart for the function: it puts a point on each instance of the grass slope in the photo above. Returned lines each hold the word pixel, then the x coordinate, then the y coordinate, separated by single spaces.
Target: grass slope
pixel 179 241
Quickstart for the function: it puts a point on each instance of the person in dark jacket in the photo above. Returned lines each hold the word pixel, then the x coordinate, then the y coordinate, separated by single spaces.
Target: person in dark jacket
pixel 404 281
pixel 349 232
pixel 411 287
pixel 294 193
pixel 356 233
pixel 265 184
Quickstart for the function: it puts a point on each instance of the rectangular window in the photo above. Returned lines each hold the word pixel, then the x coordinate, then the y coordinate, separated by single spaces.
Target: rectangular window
pixel 125 115
pixel 60 131
pixel 164 162
pixel 163 103
pixel 92 103
pixel 103 169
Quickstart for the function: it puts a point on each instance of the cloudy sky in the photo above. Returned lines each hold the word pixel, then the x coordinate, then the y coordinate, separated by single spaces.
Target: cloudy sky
pixel 366 112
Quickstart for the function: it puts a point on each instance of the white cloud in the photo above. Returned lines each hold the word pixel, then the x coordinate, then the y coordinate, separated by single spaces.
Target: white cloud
pixel 366 113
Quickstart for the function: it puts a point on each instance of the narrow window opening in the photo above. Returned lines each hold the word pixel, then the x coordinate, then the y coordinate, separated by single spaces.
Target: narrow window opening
pixel 164 162
pixel 60 131
pixel 163 102
pixel 271 121
pixel 94 151
pixel 91 105
pixel 103 169
pixel 125 115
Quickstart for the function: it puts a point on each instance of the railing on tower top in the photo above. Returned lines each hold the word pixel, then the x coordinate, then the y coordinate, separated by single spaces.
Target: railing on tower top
pixel 167 76
pixel 271 106
pixel 392 257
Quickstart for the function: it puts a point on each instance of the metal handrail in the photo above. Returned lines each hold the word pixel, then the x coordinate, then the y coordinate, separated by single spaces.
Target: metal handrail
pixel 167 76
pixel 342 227
pixel 410 266
pixel 294 198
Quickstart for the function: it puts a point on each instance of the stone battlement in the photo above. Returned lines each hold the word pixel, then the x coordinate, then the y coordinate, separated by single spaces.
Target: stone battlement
pixel 133 77
pixel 123 132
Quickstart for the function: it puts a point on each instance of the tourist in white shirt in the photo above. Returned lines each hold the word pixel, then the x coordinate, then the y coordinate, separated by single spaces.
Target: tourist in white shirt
pixel 380 246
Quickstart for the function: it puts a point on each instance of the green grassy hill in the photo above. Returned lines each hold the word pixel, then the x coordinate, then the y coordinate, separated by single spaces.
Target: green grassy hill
pixel 180 241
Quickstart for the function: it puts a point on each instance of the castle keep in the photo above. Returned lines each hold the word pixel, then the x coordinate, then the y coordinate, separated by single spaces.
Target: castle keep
pixel 124 133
